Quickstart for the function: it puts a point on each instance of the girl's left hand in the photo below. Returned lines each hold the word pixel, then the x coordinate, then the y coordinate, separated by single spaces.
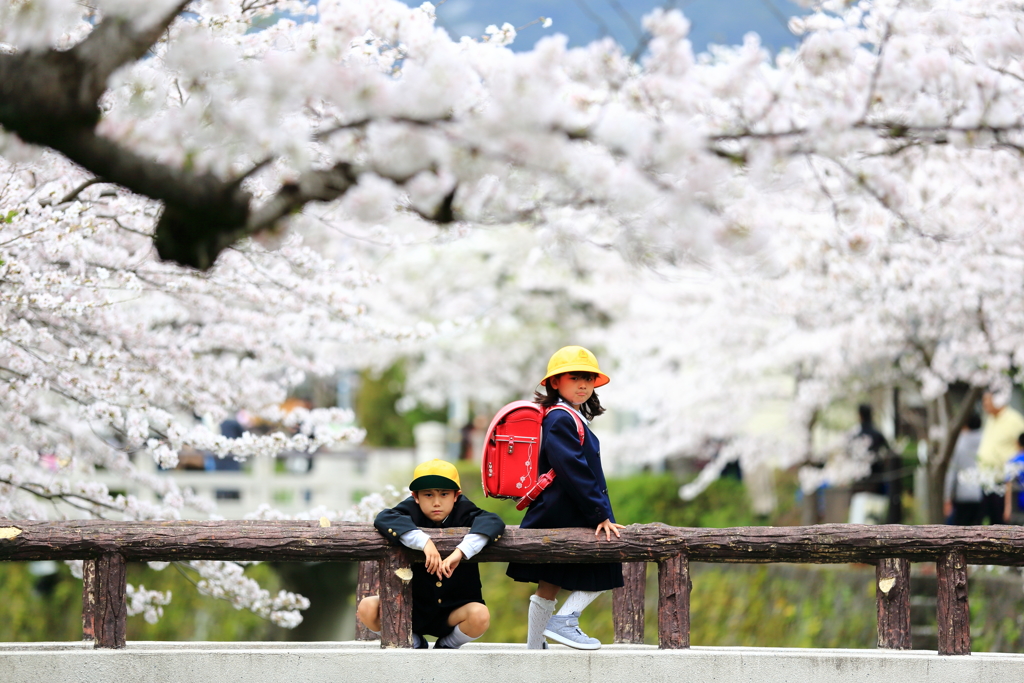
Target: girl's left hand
pixel 609 526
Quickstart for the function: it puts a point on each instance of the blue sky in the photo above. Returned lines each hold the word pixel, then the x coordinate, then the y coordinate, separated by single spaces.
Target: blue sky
pixel 713 21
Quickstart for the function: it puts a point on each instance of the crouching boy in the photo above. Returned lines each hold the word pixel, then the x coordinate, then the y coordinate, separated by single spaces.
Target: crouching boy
pixel 446 599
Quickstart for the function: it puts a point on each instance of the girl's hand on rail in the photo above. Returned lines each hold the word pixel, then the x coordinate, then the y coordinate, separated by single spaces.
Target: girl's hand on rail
pixel 609 526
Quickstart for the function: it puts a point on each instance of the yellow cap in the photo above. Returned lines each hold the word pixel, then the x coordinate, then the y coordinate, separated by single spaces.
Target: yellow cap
pixel 435 474
pixel 575 359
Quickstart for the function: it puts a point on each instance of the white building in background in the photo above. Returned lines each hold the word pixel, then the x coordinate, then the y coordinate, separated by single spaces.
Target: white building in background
pixel 291 482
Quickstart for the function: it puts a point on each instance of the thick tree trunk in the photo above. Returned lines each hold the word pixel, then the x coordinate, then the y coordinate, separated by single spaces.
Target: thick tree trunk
pixel 942 452
pixel 51 98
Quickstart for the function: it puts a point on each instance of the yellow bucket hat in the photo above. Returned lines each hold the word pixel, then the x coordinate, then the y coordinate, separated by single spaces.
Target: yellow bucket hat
pixel 574 359
pixel 435 474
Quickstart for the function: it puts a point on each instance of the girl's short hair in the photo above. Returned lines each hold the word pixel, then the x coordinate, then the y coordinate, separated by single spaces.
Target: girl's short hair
pixel 591 409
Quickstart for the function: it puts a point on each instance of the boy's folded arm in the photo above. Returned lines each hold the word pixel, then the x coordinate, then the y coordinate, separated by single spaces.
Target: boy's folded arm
pixel 472 544
pixel 394 522
pixel 415 539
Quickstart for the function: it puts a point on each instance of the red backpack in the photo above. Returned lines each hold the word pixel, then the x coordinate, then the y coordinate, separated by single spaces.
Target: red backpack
pixel 511 452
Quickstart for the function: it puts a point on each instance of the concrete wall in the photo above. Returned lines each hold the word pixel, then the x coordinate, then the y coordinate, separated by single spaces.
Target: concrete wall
pixel 145 662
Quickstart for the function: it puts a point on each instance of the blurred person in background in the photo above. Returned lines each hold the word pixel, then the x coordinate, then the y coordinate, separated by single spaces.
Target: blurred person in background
pixel 962 494
pixel 998 445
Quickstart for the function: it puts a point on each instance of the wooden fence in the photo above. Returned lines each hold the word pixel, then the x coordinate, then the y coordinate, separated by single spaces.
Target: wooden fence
pixel 107 546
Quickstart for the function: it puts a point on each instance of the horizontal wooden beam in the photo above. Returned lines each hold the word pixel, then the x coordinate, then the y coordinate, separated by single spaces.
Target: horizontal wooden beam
pixel 307 540
pixel 191 540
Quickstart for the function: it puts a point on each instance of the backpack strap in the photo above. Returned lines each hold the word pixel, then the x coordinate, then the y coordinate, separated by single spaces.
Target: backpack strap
pixel 545 479
pixel 576 418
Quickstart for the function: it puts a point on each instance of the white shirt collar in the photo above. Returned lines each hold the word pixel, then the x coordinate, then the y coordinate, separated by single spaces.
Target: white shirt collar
pixel 571 407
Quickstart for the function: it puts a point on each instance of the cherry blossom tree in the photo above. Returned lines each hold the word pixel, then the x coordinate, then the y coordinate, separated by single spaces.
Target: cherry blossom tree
pixel 107 353
pixel 197 214
pixel 868 219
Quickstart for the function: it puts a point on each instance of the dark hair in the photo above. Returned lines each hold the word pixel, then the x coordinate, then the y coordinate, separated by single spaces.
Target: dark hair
pixel 591 409
pixel 974 422
pixel 1020 440
pixel 865 413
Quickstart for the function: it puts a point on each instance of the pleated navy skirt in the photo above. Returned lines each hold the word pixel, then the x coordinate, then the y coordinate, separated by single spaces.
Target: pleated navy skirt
pixel 574 577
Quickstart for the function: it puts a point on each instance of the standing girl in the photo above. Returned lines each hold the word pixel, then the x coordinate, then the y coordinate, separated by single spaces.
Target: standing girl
pixel 577 497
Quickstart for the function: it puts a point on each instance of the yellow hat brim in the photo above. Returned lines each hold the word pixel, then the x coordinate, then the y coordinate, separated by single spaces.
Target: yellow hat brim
pixel 601 380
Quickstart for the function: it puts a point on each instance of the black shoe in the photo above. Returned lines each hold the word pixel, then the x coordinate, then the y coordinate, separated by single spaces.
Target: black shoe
pixel 424 645
pixel 439 646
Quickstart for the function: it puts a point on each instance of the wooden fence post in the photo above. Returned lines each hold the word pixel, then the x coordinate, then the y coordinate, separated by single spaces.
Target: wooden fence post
pixel 395 599
pixel 89 600
pixel 952 612
pixel 110 618
pixel 628 604
pixel 367 584
pixel 674 603
pixel 892 596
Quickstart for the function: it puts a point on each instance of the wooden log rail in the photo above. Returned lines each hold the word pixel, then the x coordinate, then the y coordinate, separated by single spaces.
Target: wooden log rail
pixel 106 547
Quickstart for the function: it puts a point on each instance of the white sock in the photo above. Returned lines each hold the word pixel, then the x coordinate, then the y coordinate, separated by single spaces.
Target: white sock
pixel 455 639
pixel 376 633
pixel 417 640
pixel 578 601
pixel 540 611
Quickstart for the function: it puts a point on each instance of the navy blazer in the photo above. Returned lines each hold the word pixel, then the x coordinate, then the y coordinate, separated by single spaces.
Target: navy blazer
pixel 578 496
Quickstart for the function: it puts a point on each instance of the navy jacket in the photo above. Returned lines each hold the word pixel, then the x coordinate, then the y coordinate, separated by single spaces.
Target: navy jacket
pixel 578 496
pixel 434 599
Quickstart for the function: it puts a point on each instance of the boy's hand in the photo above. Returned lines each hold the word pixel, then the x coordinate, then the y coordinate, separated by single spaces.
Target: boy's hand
pixel 609 526
pixel 450 563
pixel 433 558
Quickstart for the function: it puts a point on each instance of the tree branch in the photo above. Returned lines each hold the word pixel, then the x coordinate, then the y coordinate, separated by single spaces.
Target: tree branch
pixel 312 186
pixel 114 42
pixel 73 194
pixel 202 214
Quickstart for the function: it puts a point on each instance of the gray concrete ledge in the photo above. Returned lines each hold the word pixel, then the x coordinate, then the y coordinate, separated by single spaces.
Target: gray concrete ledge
pixel 157 662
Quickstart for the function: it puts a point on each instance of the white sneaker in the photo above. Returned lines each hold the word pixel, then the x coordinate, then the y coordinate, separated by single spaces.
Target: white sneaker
pixel 565 629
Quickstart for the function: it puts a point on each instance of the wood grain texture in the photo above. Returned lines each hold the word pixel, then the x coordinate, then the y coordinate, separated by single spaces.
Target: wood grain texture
pixel 111 614
pixel 368 583
pixel 111 544
pixel 892 596
pixel 628 604
pixel 674 603
pixel 89 589
pixel 952 611
pixel 395 599
pixel 193 540
pixel 307 541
